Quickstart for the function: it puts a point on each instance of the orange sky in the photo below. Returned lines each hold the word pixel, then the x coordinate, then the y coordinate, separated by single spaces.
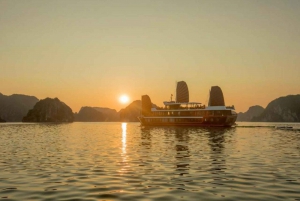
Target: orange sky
pixel 88 53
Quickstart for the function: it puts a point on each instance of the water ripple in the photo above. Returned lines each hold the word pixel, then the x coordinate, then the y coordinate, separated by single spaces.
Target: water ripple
pixel 114 161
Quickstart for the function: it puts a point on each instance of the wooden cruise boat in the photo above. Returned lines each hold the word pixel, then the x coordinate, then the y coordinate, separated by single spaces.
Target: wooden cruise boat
pixel 184 113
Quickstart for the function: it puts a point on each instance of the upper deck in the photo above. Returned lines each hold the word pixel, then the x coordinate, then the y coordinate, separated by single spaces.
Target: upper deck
pixel 195 106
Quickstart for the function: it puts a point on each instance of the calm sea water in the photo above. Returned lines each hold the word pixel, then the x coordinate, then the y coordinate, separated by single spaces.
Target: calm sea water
pixel 123 161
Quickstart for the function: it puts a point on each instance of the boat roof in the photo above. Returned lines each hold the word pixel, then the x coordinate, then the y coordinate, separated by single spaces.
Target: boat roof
pixel 175 103
pixel 206 108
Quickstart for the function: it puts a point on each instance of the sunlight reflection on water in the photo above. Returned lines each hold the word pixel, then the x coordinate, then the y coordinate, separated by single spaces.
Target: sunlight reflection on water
pixel 124 125
pixel 123 161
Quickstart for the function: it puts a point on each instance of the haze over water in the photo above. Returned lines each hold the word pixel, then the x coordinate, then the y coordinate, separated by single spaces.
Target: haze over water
pixel 123 161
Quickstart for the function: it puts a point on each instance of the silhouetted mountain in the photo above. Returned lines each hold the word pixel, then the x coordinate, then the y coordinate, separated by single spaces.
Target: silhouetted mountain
pixel 49 110
pixel 14 107
pixel 283 109
pixel 132 111
pixel 89 114
pixel 110 114
pixel 253 111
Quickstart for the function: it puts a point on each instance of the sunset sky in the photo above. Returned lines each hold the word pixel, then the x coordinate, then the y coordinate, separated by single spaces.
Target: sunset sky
pixel 89 53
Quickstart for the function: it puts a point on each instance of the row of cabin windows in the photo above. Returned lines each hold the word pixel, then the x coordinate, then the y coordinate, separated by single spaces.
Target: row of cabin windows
pixel 193 113
pixel 165 120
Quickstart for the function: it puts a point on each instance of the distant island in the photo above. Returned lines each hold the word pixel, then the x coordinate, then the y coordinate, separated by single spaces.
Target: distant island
pixel 49 110
pixel 92 114
pixel 283 109
pixel 14 107
pixel 252 112
pixel 96 114
pixel 18 107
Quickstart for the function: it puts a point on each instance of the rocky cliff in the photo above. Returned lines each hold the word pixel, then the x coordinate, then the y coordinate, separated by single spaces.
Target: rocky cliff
pixel 110 114
pixel 283 109
pixel 49 110
pixel 89 114
pixel 14 107
pixel 253 111
pixel 131 112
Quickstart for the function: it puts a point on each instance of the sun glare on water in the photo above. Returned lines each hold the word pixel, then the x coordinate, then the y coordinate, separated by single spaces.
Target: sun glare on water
pixel 124 99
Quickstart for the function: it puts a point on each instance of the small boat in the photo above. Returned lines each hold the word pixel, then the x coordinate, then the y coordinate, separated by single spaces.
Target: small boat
pixel 182 112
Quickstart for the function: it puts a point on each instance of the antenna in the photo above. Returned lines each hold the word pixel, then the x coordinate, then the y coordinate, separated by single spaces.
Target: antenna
pixel 175 91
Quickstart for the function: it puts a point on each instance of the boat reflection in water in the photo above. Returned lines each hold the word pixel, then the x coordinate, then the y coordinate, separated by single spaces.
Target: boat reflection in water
pixel 183 145
pixel 182 112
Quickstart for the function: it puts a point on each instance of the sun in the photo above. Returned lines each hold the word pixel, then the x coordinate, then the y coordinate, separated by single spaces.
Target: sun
pixel 124 99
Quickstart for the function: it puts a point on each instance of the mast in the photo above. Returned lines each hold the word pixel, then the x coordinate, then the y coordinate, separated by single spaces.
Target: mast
pixel 176 91
pixel 208 98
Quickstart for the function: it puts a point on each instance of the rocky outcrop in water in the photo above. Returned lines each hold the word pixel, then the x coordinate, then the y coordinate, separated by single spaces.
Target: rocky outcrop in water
pixel 283 109
pixel 14 107
pixel 49 110
pixel 109 114
pixel 131 112
pixel 89 114
pixel 253 111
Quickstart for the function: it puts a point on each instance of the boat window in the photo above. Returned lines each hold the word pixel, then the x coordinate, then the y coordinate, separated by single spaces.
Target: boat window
pixel 226 112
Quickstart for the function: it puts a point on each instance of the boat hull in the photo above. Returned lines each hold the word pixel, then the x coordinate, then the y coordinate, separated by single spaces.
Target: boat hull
pixel 226 121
